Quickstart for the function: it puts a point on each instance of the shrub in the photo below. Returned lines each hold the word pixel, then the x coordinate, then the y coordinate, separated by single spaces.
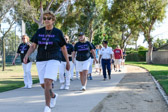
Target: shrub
pixel 136 56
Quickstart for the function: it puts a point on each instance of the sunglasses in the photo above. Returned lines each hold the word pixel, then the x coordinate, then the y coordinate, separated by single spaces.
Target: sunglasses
pixel 47 18
pixel 23 38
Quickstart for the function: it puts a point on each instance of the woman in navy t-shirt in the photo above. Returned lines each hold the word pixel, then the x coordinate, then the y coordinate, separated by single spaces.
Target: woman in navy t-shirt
pixel 22 50
pixel 49 41
pixel 83 57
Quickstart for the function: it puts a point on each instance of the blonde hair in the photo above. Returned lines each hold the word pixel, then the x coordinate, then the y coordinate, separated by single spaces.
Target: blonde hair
pixel 51 14
pixel 26 37
pixel 85 39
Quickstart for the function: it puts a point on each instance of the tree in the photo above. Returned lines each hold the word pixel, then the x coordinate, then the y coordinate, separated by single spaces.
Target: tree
pixel 88 16
pixel 41 6
pixel 121 20
pixel 6 10
pixel 12 42
pixel 147 13
pixel 142 48
pixel 9 15
pixel 159 42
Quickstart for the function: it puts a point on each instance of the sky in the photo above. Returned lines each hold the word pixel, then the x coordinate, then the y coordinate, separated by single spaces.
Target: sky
pixel 160 31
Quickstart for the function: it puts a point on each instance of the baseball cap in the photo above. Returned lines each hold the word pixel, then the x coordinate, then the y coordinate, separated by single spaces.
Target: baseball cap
pixel 81 34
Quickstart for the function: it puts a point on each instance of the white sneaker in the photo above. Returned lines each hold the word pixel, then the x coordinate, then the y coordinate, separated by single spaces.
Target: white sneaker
pixel 29 87
pixel 25 87
pixel 67 87
pixel 62 87
pixel 47 109
pixel 83 88
pixel 53 101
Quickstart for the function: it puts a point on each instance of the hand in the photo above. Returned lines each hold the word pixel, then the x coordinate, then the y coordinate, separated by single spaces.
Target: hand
pixel 25 60
pixel 69 55
pixel 96 60
pixel 28 43
pixel 67 66
pixel 13 63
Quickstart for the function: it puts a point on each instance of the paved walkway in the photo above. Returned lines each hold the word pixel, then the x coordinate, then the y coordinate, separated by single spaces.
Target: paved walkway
pixel 73 100
pixel 136 92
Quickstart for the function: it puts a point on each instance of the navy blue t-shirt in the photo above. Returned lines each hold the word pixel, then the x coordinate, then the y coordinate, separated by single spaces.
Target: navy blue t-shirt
pixel 70 49
pixel 54 40
pixel 83 50
pixel 22 50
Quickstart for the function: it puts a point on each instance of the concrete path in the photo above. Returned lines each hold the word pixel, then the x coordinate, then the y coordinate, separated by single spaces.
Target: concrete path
pixel 136 92
pixel 73 100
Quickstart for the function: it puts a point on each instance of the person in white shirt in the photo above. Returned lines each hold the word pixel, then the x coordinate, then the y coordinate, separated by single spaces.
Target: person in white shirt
pixel 106 57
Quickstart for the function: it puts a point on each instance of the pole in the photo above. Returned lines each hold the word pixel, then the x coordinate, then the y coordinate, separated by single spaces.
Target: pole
pixel 3 50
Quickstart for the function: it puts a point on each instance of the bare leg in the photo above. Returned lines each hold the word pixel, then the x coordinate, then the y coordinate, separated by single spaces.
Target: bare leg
pixel 48 91
pixel 85 72
pixel 42 85
pixel 81 77
pixel 100 71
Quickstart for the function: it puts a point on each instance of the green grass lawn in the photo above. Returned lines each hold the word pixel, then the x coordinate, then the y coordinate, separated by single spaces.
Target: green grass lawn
pixel 12 77
pixel 160 72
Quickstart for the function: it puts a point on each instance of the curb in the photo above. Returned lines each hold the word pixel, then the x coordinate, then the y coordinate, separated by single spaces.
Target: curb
pixel 160 90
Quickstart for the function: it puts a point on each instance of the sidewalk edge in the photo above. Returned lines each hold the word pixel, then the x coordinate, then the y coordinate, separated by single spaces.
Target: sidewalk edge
pixel 160 89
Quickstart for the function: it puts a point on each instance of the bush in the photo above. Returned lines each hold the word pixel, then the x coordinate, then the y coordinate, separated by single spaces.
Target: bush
pixel 136 56
pixel 132 57
pixel 142 55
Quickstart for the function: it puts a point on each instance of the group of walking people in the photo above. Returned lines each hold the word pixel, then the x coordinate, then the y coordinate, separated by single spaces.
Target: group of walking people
pixel 54 51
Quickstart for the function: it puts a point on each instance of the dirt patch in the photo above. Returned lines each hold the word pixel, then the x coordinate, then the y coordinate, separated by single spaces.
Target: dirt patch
pixel 135 93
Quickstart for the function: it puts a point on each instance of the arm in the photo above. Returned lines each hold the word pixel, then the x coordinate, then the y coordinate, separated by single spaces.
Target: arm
pixel 114 55
pixel 31 50
pixel 73 56
pixel 111 57
pixel 29 44
pixel 16 55
pixel 94 55
pixel 121 54
pixel 65 53
pixel 100 58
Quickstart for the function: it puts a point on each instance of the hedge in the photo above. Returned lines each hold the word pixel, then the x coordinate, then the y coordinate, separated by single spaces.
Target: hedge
pixel 136 56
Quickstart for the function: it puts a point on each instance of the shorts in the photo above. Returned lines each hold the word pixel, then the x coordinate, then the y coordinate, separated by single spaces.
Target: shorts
pixel 117 61
pixel 82 65
pixel 47 70
pixel 123 60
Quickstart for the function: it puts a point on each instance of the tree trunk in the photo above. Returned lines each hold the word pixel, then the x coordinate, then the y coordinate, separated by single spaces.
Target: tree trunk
pixel 3 54
pixel 124 40
pixel 91 31
pixel 91 34
pixel 150 51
